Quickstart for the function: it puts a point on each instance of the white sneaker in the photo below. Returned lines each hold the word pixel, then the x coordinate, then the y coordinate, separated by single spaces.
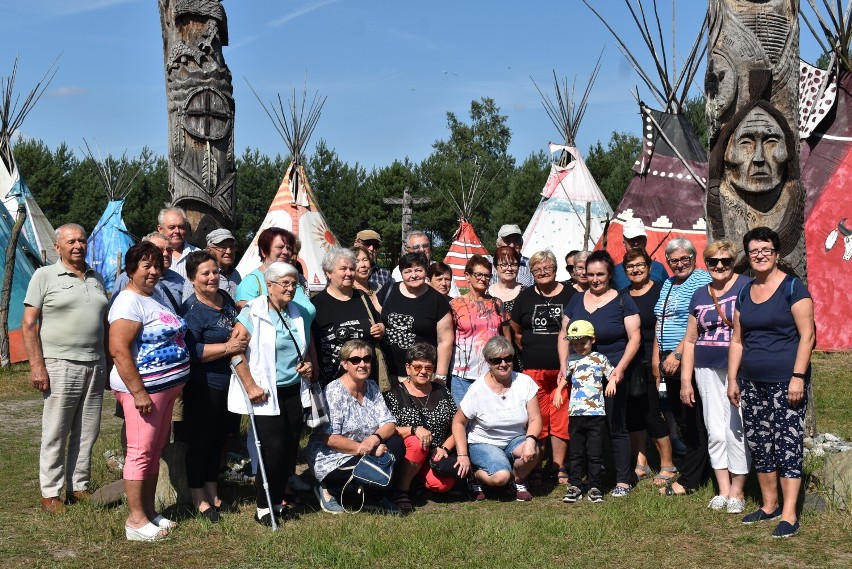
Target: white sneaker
pixel 718 503
pixel 736 505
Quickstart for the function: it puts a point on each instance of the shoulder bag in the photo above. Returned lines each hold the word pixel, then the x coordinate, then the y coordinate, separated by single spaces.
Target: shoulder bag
pixel 382 375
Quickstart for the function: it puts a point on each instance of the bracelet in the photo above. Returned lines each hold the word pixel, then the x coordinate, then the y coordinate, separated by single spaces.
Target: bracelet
pixel 225 348
pixel 445 449
pixel 461 455
pixel 414 430
pixel 533 437
pixel 378 436
pixel 799 375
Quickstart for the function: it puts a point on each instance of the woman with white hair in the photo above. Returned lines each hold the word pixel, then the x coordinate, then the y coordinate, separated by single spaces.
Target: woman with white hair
pixel 672 311
pixel 343 313
pixel 279 355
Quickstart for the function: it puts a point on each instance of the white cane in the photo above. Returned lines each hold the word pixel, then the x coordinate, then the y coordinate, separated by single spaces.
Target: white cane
pixel 250 407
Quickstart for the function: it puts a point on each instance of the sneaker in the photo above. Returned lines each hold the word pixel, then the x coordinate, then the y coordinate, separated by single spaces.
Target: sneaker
pixel 620 491
pixel 594 495
pixel 785 529
pixel 475 492
pixel 736 505
pixel 760 516
pixel 330 504
pixel 521 493
pixel 718 503
pixel 572 495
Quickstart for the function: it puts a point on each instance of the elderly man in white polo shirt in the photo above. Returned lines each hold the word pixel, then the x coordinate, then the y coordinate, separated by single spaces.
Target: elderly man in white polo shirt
pixel 172 223
pixel 63 329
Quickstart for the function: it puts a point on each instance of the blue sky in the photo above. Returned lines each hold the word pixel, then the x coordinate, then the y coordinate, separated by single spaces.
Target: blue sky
pixel 390 70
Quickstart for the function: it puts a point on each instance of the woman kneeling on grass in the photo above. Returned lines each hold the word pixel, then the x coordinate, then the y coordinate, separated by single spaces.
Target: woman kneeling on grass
pixel 424 411
pixel 360 423
pixel 502 411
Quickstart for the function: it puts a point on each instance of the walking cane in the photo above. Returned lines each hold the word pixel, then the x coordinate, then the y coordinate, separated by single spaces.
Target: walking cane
pixel 250 407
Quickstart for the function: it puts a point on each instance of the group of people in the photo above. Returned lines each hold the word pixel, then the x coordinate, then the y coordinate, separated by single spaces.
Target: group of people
pixel 472 389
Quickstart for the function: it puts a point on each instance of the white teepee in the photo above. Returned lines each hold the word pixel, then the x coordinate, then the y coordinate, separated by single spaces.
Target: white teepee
pixel 573 211
pixel 294 207
pixel 13 188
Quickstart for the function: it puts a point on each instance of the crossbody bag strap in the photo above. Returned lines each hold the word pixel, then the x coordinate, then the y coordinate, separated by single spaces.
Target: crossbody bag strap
pixel 727 322
pixel 292 337
pixel 663 316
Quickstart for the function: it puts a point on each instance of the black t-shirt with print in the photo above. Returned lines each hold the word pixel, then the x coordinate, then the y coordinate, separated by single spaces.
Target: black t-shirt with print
pixel 541 320
pixel 409 320
pixel 336 323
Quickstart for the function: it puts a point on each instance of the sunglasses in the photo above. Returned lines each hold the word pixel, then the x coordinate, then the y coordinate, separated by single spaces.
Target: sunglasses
pixel 356 360
pixel 499 360
pixel 713 261
pixel 569 268
pixel 420 367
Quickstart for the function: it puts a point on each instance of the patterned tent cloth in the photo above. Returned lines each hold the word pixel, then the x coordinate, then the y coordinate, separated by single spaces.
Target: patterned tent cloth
pixel 26 262
pixel 826 169
pixel 664 193
pixel 570 199
pixel 295 209
pixel 465 245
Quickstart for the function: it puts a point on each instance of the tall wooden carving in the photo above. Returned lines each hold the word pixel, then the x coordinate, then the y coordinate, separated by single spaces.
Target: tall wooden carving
pixel 752 110
pixel 200 101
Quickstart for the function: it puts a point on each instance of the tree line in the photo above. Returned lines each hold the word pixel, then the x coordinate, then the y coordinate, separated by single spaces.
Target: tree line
pixel 68 188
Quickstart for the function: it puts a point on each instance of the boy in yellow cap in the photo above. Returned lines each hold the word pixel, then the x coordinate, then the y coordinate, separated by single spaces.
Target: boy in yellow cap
pixel 588 371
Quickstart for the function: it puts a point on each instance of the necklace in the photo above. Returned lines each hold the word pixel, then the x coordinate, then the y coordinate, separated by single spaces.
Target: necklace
pixel 547 298
pixel 422 400
pixel 499 388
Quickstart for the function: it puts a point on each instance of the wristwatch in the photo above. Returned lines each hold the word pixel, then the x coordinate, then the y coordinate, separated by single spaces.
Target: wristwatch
pixel 677 355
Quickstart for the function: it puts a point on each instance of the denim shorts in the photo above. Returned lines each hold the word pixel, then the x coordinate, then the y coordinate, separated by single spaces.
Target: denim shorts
pixel 491 458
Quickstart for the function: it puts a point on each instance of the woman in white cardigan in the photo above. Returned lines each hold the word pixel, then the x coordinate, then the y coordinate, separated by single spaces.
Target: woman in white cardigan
pixel 277 363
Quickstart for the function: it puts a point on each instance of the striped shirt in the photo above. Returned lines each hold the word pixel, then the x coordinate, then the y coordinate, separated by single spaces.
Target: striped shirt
pixel 672 309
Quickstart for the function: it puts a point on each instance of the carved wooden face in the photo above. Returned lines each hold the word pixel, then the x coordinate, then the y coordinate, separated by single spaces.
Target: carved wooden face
pixel 756 158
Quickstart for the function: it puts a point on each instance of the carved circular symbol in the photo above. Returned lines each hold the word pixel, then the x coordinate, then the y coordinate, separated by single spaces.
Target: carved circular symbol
pixel 208 114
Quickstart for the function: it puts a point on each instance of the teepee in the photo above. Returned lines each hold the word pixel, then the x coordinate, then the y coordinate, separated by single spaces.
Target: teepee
pixel 13 188
pixel 825 124
pixel 670 174
pixel 110 240
pixel 466 242
pixel 573 211
pixel 26 262
pixel 294 207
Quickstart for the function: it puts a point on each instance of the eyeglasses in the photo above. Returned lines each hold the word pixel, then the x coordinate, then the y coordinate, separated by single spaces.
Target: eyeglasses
pixel 507 266
pixel 371 243
pixel 420 367
pixel 500 360
pixel 286 285
pixel 635 266
pixel 224 247
pixel 418 247
pixel 766 251
pixel 356 360
pixel 713 261
pixel 481 276
pixel 682 261
pixel 543 270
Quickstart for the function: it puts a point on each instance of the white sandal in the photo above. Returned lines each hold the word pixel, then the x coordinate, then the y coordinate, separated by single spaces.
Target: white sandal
pixel 148 532
pixel 163 522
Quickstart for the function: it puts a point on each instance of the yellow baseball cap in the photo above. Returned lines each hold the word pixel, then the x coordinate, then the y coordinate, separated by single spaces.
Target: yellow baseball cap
pixel 580 329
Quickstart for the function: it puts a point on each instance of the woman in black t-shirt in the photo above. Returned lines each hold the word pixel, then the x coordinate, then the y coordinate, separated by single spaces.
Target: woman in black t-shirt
pixel 342 313
pixel 536 320
pixel 413 312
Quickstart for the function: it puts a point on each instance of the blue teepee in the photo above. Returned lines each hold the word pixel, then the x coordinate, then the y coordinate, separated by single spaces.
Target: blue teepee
pixel 108 243
pixel 26 263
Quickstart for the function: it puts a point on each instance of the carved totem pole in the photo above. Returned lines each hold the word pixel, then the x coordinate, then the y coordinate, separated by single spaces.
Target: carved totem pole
pixel 200 102
pixel 752 109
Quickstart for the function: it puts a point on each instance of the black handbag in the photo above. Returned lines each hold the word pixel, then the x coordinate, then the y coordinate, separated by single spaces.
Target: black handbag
pixel 446 466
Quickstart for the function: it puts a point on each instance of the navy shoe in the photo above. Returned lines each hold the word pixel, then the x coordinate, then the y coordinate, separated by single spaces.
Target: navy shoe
pixel 760 516
pixel 785 529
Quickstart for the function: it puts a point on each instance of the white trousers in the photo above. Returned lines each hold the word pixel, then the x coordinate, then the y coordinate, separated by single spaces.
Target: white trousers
pixel 70 422
pixel 726 440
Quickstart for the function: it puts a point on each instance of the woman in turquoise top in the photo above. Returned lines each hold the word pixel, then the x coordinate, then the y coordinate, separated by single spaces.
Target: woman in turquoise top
pixel 278 357
pixel 274 245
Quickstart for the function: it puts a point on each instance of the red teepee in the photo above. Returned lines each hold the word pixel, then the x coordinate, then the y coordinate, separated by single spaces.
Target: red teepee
pixel 465 245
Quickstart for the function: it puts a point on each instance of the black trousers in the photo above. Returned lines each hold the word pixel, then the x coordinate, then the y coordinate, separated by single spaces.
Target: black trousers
pixel 205 428
pixel 279 444
pixel 694 470
pixel 616 418
pixel 337 478
pixel 586 446
pixel 643 411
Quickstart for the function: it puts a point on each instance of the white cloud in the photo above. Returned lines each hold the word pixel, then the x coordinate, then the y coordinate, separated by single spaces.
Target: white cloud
pixel 278 22
pixel 67 91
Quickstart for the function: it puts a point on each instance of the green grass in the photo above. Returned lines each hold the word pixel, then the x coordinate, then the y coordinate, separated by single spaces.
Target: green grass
pixel 642 530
